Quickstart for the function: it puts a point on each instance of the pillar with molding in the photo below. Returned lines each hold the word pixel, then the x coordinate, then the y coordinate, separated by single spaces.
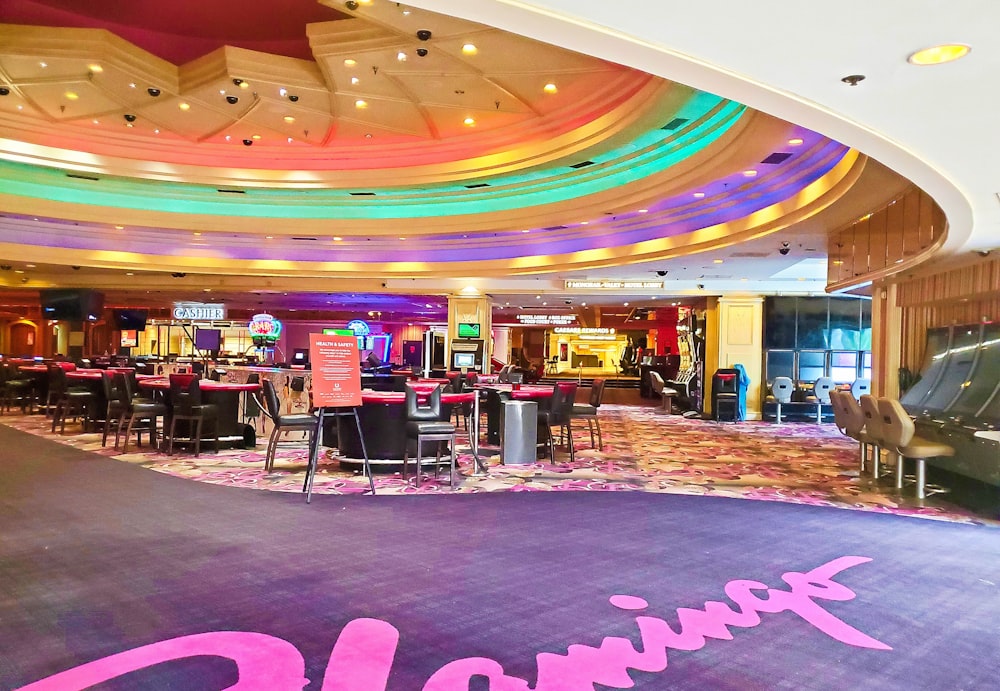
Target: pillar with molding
pixel 735 334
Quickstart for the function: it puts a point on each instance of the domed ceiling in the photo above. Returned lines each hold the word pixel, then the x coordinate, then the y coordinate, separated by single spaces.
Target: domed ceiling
pixel 324 146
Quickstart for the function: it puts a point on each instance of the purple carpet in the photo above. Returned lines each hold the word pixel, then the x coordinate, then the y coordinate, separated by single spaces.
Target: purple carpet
pixel 163 583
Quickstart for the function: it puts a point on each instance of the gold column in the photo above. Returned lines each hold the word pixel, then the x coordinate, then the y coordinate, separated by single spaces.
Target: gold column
pixel 887 339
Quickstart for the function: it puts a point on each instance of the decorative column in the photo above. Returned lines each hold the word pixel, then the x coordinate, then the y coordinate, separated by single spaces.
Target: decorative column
pixel 735 335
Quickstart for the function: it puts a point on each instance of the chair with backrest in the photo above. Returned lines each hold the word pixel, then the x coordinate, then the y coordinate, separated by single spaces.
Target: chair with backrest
pixel 114 410
pixel 559 416
pixel 140 413
pixel 898 433
pixel 855 427
pixel 502 375
pixel 821 392
pixel 588 411
pixel 188 407
pixel 424 424
pixel 873 429
pixel 18 388
pixel 860 387
pixel 252 404
pixel 781 389
pixel 300 422
pixel 67 400
pixel 660 389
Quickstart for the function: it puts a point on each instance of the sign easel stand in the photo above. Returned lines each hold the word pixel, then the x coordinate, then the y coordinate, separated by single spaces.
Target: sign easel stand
pixel 324 414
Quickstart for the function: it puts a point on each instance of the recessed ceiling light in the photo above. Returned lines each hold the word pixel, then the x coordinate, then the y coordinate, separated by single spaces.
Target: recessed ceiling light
pixel 717 261
pixel 470 49
pixel 644 211
pixel 838 262
pixel 360 104
pixel 130 273
pixel 797 141
pixel 469 122
pixel 749 173
pixel 290 140
pixel 401 56
pixel 30 266
pixel 550 88
pixel 96 121
pixel 18 271
pixel 184 106
pixel 402 238
pixel 244 85
pixel 43 64
pixel 229 137
pixel 699 195
pixel 72 95
pixel 282 92
pixel 268 237
pixel 625 304
pixel 119 227
pixel 350 62
pixel 131 85
pixel 525 231
pixel 337 238
pixel 937 55
pixel 584 223
pixel 95 68
pixel 256 137
pixel 196 233
pixel 355 81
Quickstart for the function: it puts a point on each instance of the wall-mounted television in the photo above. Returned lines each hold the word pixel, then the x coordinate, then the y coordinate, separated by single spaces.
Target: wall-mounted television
pixel 71 304
pixel 464 360
pixel 208 339
pixel 468 330
pixel 130 319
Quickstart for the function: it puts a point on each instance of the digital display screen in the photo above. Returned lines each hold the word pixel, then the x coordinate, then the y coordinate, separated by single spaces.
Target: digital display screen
pixel 468 330
pixel 464 360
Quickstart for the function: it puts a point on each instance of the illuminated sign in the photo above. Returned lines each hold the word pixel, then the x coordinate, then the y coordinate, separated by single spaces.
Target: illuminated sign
pixel 359 327
pixel 585 330
pixel 264 329
pixel 198 311
pixel 615 285
pixel 546 319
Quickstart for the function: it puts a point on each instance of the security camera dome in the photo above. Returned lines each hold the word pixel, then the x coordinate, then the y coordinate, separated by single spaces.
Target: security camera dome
pixel 424 35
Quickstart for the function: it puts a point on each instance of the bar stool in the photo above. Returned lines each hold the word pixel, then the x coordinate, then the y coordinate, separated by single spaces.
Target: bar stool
pixel 67 400
pixel 424 424
pixel 873 428
pixel 186 405
pixel 898 432
pixel 781 389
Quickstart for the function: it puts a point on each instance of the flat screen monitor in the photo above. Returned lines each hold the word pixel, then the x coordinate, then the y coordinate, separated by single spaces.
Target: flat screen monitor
pixel 466 360
pixel 130 319
pixel 130 338
pixel 73 304
pixel 300 356
pixel 468 330
pixel 208 339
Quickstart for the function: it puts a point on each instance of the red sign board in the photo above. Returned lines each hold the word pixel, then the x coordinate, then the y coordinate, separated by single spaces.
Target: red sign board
pixel 336 370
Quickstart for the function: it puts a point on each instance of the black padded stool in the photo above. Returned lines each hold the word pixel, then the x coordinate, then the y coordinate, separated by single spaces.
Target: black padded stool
pixel 424 424
pixel 67 400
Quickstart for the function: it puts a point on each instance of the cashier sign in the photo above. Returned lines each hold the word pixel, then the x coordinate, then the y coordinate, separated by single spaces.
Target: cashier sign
pixel 336 370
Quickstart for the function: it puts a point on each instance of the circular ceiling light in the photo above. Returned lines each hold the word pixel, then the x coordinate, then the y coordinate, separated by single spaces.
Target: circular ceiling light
pixel 550 88
pixel 937 55
pixel 470 49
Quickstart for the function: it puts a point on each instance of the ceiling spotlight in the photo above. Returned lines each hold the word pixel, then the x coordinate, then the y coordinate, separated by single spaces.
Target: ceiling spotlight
pixel 422 52
pixel 232 100
pixel 424 35
pixel 351 5
pixel 4 91
pixel 129 117
pixel 853 79
pixel 248 142
pixel 153 91
pixel 293 98
pixel 238 82
pixel 784 249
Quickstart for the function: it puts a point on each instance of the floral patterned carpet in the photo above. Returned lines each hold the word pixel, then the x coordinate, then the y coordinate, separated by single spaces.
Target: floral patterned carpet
pixel 644 451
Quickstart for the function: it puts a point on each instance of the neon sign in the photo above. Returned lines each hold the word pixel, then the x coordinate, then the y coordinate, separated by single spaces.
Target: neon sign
pixel 359 327
pixel 264 329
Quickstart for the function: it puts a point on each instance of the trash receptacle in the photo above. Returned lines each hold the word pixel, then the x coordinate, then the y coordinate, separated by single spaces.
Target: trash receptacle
pixel 518 432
